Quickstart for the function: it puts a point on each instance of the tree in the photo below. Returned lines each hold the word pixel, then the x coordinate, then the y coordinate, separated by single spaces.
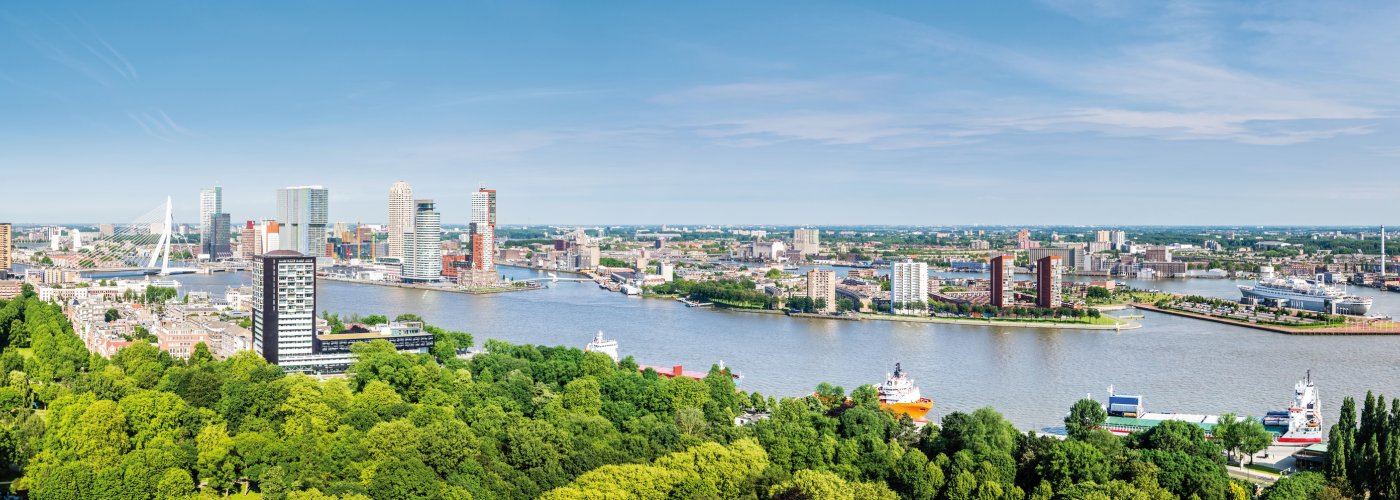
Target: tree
pixel 176 483
pixel 1228 432
pixel 1300 486
pixel 218 466
pixel 408 317
pixel 399 479
pixel 1253 437
pixel 111 315
pixel 1098 292
pixel 1084 416
pixel 1070 462
pixel 1341 442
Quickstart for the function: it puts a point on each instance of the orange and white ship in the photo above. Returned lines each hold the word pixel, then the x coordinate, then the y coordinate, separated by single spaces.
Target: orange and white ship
pixel 899 395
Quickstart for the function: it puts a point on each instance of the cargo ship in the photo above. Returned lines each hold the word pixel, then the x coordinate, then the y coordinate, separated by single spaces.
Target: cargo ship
pixel 899 395
pixel 1301 423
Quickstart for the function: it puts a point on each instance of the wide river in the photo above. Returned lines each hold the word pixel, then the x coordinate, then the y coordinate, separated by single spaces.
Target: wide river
pixel 1030 375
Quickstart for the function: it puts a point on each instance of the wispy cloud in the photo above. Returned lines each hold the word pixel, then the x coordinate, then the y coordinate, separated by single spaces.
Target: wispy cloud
pixel 1171 85
pixel 160 126
pixel 838 89
pixel 93 43
pixel 517 95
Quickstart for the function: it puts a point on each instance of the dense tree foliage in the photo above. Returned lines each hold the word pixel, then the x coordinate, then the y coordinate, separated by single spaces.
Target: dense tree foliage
pixel 524 421
pixel 734 293
pixel 1364 451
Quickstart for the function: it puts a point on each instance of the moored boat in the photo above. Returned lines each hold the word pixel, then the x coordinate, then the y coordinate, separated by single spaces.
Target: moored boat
pixel 1301 423
pixel 1311 295
pixel 899 395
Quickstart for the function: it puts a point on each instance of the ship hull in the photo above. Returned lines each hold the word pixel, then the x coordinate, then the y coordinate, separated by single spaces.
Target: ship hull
pixel 1119 431
pixel 915 410
pixel 1307 303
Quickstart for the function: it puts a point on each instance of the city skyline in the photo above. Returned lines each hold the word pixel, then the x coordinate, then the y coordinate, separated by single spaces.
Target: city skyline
pixel 601 114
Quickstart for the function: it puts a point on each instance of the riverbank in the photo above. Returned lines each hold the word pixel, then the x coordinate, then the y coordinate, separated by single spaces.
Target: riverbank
pixel 1122 325
pixel 429 287
pixel 1390 329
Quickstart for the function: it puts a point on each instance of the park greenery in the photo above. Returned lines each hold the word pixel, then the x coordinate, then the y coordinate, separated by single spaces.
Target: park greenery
pixel 741 293
pixel 523 421
pixel 613 262
pixel 806 304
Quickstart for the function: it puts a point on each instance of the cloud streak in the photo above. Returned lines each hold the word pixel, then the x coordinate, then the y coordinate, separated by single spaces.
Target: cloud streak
pixel 160 126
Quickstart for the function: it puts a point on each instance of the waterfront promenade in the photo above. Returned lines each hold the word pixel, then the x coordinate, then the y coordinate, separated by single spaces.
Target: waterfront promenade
pixel 1387 328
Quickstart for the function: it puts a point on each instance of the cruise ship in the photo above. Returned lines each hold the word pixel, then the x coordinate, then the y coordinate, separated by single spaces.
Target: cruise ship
pixel 899 395
pixel 1311 295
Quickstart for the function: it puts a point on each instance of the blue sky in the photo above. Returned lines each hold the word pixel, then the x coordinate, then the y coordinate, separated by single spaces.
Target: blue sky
pixel 1052 112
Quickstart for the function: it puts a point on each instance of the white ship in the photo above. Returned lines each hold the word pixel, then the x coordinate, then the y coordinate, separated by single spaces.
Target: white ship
pixel 1302 422
pixel 605 346
pixel 899 395
pixel 1311 295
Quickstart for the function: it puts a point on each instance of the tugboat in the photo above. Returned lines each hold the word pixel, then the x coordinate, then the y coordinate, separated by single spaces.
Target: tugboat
pixel 899 395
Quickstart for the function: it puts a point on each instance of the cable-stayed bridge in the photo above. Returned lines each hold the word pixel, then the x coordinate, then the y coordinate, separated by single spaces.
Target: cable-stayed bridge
pixel 140 247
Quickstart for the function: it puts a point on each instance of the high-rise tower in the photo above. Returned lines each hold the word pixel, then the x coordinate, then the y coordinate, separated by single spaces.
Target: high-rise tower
pixel 400 217
pixel 284 308
pixel 211 201
pixel 483 230
pixel 303 212
pixel 422 250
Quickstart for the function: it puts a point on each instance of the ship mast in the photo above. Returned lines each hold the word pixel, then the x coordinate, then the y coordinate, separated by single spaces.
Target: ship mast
pixel 1382 254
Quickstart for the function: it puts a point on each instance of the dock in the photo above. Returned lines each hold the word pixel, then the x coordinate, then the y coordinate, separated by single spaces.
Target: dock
pixel 1384 329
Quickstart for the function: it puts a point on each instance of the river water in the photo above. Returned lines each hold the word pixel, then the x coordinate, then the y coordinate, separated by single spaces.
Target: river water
pixel 1030 375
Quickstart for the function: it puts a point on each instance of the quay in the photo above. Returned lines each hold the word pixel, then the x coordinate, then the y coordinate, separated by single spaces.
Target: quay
pixel 1389 329
pixel 454 289
pixel 1124 325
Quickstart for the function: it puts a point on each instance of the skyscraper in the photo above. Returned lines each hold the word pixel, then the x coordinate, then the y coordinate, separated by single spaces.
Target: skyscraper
pixel 211 201
pixel 1003 280
pixel 303 212
pixel 423 247
pixel 284 308
pixel 1047 281
pixel 483 230
pixel 215 242
pixel 248 241
pixel 807 241
pixel 5 244
pixel 269 237
pixel 908 285
pixel 821 284
pixel 400 217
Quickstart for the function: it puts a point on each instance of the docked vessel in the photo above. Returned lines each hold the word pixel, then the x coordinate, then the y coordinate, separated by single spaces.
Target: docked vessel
pixel 899 395
pixel 605 346
pixel 1301 423
pixel 1310 295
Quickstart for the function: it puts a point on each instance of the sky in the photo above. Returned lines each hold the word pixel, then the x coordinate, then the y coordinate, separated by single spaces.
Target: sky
pixel 811 112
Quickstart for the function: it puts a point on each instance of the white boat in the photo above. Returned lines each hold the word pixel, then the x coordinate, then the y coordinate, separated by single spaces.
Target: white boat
pixel 631 290
pixel 899 395
pixel 1310 295
pixel 605 346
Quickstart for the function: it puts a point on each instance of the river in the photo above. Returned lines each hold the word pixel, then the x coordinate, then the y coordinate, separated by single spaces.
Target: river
pixel 1030 375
